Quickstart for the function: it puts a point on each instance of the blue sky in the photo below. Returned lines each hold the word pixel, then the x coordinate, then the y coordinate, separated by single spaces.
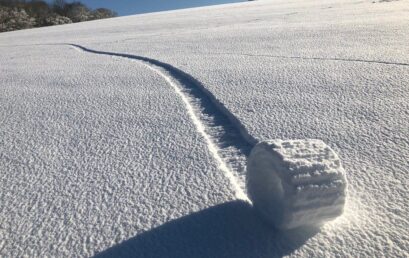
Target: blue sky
pixel 127 7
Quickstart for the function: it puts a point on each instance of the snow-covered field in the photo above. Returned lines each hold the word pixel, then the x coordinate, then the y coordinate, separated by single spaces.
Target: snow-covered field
pixel 128 136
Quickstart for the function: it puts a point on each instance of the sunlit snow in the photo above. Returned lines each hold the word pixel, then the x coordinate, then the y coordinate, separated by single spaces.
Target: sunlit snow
pixel 129 136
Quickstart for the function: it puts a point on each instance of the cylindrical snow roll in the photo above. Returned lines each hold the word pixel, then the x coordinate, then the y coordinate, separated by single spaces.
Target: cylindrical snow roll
pixel 294 183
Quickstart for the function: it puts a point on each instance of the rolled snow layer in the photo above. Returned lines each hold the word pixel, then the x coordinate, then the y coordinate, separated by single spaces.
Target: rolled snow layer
pixel 295 183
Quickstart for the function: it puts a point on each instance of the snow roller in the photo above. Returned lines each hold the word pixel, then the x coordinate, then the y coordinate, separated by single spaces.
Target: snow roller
pixel 296 183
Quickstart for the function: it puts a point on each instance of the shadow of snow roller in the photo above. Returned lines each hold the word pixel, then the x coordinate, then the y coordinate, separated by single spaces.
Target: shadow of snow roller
pixel 296 183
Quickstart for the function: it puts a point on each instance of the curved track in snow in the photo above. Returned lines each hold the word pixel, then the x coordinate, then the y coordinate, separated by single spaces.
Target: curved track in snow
pixel 226 138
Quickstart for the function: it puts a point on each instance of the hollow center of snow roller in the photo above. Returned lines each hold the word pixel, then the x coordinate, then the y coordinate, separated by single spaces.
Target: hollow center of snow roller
pixel 267 186
pixel 296 183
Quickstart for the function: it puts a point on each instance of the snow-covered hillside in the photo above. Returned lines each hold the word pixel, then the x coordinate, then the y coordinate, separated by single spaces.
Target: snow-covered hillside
pixel 129 136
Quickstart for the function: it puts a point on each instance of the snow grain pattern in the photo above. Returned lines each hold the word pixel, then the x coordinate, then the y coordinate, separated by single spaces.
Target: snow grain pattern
pixel 334 70
pixel 227 139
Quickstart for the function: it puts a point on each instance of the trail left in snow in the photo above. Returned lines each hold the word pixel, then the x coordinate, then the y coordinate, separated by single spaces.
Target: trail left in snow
pixel 225 140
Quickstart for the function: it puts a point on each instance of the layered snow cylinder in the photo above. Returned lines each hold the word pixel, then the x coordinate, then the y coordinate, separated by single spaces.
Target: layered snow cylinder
pixel 294 183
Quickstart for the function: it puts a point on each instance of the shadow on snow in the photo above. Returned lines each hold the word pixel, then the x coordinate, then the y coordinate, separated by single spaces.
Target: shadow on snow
pixel 230 229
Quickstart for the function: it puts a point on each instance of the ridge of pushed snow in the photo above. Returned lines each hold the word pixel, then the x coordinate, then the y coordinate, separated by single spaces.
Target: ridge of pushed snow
pixel 95 151
pixel 227 139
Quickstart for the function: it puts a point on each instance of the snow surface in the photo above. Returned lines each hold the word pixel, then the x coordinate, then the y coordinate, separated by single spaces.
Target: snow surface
pixel 296 183
pixel 133 140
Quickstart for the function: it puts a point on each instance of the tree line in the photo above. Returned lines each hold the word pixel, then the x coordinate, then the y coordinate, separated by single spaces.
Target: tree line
pixel 22 14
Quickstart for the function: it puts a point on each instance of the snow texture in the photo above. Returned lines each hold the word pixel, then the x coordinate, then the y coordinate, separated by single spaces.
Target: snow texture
pixel 226 138
pixel 135 140
pixel 296 183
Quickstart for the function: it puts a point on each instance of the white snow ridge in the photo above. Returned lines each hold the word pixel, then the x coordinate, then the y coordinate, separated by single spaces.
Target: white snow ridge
pixel 229 153
pixel 225 137
pixel 145 139
pixel 296 183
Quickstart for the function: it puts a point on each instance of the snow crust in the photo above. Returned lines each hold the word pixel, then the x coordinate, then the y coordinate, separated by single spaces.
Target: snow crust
pixel 99 150
pixel 93 151
pixel 296 183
